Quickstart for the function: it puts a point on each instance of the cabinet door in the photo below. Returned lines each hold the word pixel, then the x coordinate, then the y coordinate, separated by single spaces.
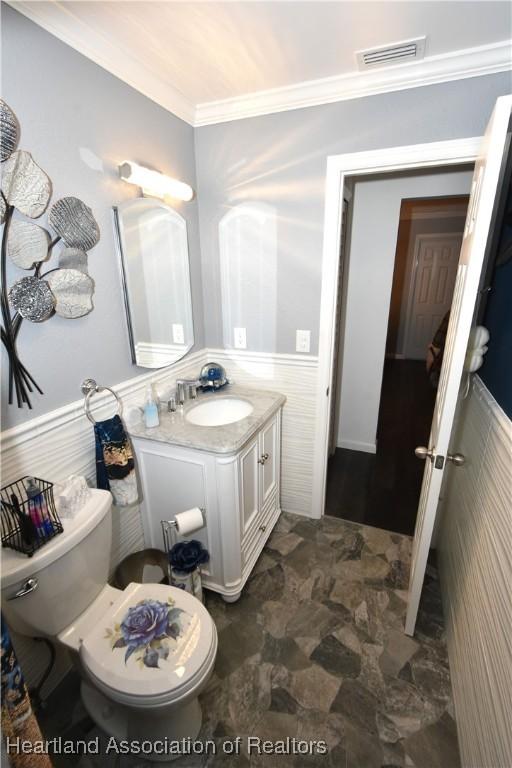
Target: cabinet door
pixel 249 481
pixel 269 455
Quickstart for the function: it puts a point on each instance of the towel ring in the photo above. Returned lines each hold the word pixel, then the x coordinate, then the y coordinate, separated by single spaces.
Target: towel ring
pixel 89 388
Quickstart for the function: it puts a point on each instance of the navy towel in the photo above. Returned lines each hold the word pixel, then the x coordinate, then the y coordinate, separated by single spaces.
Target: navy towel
pixel 115 468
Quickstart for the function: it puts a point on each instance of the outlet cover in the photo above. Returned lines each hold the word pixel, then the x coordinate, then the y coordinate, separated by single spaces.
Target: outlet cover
pixel 178 336
pixel 240 338
pixel 302 341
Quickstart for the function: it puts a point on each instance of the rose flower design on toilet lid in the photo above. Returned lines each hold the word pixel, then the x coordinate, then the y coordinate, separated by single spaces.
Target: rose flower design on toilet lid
pixel 155 638
pixel 150 629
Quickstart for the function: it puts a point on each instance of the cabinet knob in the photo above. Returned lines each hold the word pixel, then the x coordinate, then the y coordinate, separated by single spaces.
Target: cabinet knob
pixel 263 527
pixel 263 458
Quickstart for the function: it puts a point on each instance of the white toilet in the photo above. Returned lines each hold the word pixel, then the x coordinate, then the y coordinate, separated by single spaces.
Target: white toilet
pixel 146 652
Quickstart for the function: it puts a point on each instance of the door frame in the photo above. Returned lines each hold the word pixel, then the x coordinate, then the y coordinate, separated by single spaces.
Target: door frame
pixel 387 160
pixel 421 237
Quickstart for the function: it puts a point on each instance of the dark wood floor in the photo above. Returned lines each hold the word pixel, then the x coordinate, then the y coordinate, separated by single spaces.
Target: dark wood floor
pixel 382 489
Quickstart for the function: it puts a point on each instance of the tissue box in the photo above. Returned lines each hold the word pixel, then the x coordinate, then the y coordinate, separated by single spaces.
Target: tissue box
pixel 72 495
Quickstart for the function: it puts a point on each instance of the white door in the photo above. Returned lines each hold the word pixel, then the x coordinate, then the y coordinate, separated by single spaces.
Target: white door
pixel 268 460
pixel 485 186
pixel 250 485
pixel 435 268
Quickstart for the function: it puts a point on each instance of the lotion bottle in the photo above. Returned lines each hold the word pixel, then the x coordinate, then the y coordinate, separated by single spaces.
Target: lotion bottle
pixel 37 509
pixel 151 418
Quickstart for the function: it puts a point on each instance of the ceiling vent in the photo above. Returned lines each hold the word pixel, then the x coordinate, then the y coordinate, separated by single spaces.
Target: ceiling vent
pixel 395 53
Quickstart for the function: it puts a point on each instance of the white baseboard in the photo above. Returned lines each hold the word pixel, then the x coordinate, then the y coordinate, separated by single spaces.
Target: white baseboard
pixel 355 445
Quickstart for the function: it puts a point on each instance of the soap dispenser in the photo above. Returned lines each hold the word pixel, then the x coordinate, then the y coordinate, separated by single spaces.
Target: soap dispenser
pixel 150 409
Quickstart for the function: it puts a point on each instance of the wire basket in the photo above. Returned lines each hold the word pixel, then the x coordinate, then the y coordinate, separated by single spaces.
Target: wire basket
pixel 28 523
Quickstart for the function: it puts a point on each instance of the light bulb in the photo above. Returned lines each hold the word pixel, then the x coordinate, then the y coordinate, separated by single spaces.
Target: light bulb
pixel 154 183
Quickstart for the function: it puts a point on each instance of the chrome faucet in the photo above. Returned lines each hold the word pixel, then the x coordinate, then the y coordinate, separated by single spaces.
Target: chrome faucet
pixel 212 376
pixel 186 389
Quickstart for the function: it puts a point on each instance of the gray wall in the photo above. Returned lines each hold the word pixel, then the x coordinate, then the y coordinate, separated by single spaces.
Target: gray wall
pixel 73 114
pixel 280 160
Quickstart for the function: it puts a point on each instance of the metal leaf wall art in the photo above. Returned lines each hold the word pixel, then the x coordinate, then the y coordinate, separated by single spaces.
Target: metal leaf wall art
pixel 65 290
pixel 9 131
pixel 27 244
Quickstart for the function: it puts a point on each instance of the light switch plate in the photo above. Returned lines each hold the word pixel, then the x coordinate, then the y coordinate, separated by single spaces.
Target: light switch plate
pixel 240 338
pixel 178 336
pixel 302 341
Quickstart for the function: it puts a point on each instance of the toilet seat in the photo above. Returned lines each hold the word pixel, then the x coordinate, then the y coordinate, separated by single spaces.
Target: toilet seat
pixel 154 645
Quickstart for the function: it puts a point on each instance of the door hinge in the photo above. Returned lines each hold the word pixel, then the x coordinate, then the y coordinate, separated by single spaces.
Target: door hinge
pixel 439 461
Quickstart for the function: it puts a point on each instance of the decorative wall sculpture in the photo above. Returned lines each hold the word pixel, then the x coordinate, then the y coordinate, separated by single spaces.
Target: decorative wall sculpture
pixel 68 289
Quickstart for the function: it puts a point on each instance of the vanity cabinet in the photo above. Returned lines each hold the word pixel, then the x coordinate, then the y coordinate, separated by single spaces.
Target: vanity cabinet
pixel 239 491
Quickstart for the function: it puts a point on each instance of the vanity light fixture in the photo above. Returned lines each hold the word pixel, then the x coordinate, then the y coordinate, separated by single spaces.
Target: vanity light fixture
pixel 154 183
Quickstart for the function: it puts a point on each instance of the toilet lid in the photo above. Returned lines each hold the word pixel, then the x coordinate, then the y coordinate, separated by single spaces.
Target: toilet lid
pixel 153 639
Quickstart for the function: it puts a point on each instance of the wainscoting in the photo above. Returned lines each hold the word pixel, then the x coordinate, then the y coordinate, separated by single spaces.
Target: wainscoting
pixel 475 560
pixel 296 377
pixel 61 443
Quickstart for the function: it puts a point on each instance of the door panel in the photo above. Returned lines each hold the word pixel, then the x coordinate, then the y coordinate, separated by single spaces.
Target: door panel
pixel 436 258
pixel 486 180
pixel 249 478
pixel 269 468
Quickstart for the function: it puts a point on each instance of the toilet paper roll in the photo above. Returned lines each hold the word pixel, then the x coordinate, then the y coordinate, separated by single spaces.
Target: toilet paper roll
pixel 189 521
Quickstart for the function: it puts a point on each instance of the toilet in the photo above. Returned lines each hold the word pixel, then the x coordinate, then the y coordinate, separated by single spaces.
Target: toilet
pixel 145 652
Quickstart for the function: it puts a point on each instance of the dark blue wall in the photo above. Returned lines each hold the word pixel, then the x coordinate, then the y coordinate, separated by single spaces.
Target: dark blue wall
pixel 496 371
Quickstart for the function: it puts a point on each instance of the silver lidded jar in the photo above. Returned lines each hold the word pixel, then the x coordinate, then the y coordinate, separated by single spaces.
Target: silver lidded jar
pixel 213 375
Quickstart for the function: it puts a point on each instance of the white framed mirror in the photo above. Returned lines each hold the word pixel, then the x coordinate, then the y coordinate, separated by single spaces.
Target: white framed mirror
pixel 153 250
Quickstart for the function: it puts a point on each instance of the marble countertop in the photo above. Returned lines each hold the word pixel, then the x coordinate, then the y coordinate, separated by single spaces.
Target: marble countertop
pixel 227 438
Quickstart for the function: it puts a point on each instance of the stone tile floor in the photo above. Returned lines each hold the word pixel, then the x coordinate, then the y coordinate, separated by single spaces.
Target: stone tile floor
pixel 314 650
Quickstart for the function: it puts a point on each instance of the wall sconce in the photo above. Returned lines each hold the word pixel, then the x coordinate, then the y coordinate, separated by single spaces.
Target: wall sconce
pixel 153 183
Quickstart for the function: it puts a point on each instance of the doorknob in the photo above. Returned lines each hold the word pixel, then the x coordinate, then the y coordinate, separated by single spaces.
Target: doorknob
pixel 424 453
pixel 456 458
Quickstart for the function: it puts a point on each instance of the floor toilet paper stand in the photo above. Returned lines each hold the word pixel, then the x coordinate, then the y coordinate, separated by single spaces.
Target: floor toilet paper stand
pixel 170 531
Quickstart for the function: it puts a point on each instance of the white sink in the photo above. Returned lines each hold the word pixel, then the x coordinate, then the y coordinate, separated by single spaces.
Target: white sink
pixel 218 411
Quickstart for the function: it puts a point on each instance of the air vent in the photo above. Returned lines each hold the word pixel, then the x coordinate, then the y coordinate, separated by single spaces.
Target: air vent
pixel 395 53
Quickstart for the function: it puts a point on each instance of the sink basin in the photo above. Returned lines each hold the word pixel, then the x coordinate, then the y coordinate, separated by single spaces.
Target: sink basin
pixel 218 411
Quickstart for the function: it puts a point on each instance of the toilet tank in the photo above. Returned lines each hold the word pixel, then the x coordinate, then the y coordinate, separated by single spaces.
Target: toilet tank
pixel 70 572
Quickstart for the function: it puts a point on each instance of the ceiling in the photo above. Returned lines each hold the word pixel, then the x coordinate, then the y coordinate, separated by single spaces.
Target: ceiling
pixel 216 51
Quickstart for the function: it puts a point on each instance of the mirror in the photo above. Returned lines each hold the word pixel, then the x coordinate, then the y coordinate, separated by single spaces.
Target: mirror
pixel 153 248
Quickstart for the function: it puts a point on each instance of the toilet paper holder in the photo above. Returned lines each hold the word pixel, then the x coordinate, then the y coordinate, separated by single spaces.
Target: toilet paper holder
pixel 171 530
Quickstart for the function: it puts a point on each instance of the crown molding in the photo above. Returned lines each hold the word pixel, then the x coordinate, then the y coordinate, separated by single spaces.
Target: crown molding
pixel 458 65
pixel 61 23
pixel 470 62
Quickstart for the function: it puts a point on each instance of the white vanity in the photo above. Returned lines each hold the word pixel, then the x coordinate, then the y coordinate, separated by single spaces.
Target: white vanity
pixel 230 469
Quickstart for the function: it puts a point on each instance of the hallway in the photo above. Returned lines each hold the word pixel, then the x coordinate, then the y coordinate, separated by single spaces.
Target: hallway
pixel 382 489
